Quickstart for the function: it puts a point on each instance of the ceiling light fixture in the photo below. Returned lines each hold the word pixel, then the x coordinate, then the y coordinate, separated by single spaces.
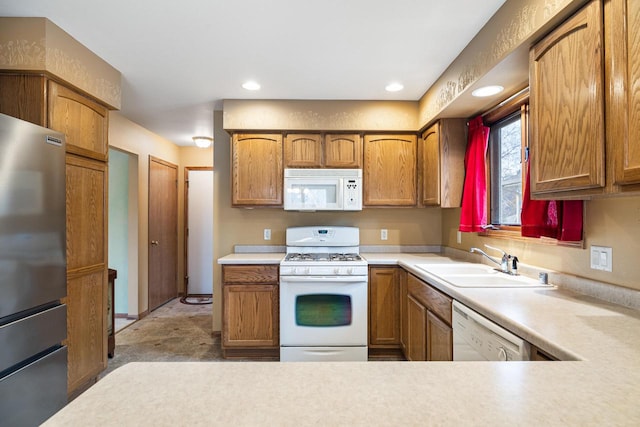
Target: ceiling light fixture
pixel 251 85
pixel 485 91
pixel 394 87
pixel 202 141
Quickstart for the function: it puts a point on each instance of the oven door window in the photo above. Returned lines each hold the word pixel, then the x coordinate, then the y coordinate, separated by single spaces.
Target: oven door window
pixel 323 310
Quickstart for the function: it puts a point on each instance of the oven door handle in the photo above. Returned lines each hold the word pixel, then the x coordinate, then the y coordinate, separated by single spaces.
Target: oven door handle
pixel 323 279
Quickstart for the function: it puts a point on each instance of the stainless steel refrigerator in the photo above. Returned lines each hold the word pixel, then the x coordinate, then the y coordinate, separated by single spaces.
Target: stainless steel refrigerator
pixel 33 361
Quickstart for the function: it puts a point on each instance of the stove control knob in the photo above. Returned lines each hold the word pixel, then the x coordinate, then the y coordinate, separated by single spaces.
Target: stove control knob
pixel 350 270
pixel 502 354
pixel 306 270
pixel 336 270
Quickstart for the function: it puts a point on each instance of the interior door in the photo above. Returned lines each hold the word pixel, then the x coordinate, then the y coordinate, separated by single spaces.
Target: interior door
pixel 199 231
pixel 163 232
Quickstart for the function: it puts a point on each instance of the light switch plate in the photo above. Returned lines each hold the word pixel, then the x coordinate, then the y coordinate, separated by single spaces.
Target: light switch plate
pixel 383 234
pixel 267 234
pixel 459 237
pixel 601 258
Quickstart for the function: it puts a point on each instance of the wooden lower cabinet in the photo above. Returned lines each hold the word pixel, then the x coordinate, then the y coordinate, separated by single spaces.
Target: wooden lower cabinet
pixel 384 311
pixel 250 311
pixel 87 286
pixel 538 355
pixel 86 328
pixel 440 339
pixel 404 318
pixel 429 335
pixel 417 330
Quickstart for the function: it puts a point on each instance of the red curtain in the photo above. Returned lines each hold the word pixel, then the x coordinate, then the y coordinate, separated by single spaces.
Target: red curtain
pixel 474 196
pixel 560 220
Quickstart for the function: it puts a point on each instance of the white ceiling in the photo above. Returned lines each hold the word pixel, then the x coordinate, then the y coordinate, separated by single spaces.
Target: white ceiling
pixel 180 59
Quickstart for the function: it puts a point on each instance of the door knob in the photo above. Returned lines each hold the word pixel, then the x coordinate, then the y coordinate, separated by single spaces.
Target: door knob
pixel 155 242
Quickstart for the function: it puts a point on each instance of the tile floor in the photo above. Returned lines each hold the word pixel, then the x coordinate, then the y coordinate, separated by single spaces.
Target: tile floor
pixel 174 332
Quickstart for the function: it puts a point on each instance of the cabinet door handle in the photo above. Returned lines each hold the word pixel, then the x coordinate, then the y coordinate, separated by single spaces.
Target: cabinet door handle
pixel 155 242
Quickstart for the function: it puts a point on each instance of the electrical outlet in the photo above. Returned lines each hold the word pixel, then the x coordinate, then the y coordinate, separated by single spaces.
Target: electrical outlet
pixel 601 258
pixel 267 234
pixel 383 234
pixel 459 237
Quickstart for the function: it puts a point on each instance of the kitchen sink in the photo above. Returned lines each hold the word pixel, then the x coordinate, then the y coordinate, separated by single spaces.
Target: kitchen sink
pixel 457 269
pixel 469 275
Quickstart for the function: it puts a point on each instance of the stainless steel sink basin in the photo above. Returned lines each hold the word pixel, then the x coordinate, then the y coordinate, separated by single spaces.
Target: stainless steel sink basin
pixel 469 275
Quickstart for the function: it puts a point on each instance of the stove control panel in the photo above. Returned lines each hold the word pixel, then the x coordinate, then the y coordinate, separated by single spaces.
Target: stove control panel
pixel 323 270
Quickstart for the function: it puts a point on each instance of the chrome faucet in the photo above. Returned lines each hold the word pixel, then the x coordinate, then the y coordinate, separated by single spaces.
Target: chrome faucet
pixel 508 263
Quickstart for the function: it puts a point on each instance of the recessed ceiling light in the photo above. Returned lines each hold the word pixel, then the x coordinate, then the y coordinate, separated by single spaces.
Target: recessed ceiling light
pixel 394 87
pixel 251 85
pixel 487 91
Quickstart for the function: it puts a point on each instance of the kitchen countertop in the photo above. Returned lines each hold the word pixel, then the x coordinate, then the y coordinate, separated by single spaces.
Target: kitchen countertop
pixel 252 258
pixel 597 384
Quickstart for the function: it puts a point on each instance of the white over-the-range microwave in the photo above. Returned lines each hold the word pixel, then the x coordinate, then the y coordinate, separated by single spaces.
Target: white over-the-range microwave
pixel 323 189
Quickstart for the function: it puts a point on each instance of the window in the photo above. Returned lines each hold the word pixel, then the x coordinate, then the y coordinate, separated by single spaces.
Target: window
pixel 506 171
pixel 505 157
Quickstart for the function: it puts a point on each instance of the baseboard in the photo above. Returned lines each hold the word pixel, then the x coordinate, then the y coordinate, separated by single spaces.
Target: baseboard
pixel 386 354
pixel 252 353
pixel 123 316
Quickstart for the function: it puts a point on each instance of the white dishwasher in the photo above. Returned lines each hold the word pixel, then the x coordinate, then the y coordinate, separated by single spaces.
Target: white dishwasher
pixel 477 338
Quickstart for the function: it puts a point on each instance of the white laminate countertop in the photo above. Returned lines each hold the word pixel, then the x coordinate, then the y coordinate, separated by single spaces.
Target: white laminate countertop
pixel 598 385
pixel 252 258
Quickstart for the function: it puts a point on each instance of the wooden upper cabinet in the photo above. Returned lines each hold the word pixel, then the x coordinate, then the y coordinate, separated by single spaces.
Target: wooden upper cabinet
pixel 256 169
pixel 303 151
pixel 343 151
pixel 86 201
pixel 84 122
pixel 23 96
pixel 323 151
pixel 622 38
pixel 441 163
pixel 389 172
pixel 429 166
pixel 567 106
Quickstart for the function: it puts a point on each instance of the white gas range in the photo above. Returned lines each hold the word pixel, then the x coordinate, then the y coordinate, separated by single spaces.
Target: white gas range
pixel 323 296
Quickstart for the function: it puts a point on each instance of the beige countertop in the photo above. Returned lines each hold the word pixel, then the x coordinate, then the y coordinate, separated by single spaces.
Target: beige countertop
pixel 359 394
pixel 252 258
pixel 598 385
